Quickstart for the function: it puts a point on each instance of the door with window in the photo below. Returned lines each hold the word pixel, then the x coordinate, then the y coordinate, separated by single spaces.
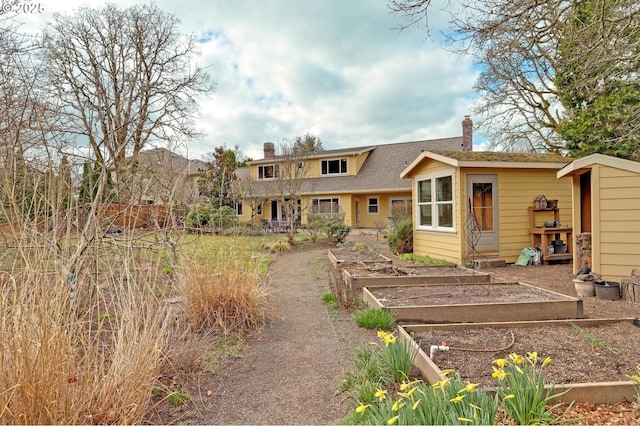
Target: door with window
pixel 481 230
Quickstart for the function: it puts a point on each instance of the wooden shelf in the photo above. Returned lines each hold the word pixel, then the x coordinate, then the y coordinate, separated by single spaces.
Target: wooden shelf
pixel 542 234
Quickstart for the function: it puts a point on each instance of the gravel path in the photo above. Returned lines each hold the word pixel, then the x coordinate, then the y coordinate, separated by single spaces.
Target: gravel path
pixel 292 369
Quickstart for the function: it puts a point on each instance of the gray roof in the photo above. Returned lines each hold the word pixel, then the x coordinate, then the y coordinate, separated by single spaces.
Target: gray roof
pixel 170 160
pixel 379 173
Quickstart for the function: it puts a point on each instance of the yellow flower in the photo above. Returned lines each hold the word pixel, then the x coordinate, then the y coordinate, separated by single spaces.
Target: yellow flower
pixel 446 372
pixel 510 396
pixel 469 388
pixel 380 394
pixel 393 420
pixel 415 404
pixel 382 333
pixel 546 361
pixel 498 374
pixel 464 419
pixel 361 408
pixel 457 399
pixel 441 383
pixel 411 391
pixel 515 358
pixel 403 386
pixel 533 356
pixel 501 362
pixel 519 370
pixel 397 405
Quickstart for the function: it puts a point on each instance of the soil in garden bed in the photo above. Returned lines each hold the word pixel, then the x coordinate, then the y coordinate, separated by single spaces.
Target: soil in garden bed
pixel 386 270
pixel 458 294
pixel 602 353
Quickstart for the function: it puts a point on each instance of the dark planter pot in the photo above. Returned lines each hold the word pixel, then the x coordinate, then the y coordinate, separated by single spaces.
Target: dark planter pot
pixel 607 290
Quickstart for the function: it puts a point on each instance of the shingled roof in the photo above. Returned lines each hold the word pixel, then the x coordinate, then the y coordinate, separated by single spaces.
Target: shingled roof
pixel 379 173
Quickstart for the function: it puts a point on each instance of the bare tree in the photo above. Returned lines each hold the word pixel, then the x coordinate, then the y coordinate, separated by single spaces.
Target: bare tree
pixel 522 46
pixel 124 77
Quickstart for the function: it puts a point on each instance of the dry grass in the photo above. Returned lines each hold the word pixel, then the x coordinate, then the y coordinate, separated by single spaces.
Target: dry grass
pixel 224 297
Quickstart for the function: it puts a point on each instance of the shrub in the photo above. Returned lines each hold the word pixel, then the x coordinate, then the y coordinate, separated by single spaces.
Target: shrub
pixel 223 218
pixel 337 229
pixel 401 238
pixel 399 356
pixel 198 217
pixel 374 318
pixel 330 300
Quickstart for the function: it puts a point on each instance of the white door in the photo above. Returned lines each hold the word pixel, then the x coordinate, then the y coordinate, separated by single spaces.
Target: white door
pixel 481 230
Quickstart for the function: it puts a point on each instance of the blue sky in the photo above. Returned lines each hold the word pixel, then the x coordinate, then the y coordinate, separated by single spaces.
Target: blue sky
pixel 333 68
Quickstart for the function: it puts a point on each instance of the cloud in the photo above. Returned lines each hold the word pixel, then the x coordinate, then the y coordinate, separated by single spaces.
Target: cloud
pixel 333 68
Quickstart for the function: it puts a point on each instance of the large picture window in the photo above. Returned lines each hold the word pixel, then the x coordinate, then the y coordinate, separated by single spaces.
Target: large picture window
pixel 325 205
pixel 435 203
pixel 334 167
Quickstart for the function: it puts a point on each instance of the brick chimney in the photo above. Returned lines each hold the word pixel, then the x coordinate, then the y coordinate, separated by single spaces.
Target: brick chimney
pixel 467 134
pixel 269 150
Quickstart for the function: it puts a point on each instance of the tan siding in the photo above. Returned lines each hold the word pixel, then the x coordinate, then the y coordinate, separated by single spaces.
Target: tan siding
pixel 517 189
pixel 617 246
pixel 437 245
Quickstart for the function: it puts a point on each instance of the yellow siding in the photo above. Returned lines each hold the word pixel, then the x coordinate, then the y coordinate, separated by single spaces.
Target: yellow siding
pixel 616 236
pixel 440 245
pixel 517 189
pixel 359 161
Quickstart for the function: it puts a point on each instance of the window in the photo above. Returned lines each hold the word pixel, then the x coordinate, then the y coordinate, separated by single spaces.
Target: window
pixel 259 209
pixel 325 205
pixel 400 207
pixel 435 203
pixel 373 205
pixel 238 208
pixel 334 167
pixel 268 172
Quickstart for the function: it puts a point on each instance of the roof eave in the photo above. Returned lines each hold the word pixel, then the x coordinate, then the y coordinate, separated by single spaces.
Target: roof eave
pixel 589 161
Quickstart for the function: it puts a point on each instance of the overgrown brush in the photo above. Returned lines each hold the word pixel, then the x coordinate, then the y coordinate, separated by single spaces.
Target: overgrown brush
pixel 65 365
pixel 226 296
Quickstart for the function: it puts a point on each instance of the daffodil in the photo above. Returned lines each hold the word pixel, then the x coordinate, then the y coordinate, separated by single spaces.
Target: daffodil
pixel 498 374
pixel 515 358
pixel 546 361
pixel 411 391
pixel 397 405
pixel 470 387
pixel 441 383
pixel 457 399
pixel 405 385
pixel 501 362
pixel 533 356
pixel 392 420
pixel 446 372
pixel 464 419
pixel 415 404
pixel 381 394
pixel 361 408
pixel 510 396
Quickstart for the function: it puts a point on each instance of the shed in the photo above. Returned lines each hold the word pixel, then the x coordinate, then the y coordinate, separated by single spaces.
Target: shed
pixel 475 205
pixel 606 206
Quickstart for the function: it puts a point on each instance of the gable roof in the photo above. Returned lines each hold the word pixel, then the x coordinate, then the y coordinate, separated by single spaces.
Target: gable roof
pixel 506 160
pixel 599 159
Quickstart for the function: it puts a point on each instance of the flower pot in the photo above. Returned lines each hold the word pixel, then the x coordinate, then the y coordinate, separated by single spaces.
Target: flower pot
pixel 584 288
pixel 607 290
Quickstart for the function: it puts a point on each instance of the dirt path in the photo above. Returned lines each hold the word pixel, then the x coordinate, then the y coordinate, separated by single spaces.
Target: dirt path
pixel 292 369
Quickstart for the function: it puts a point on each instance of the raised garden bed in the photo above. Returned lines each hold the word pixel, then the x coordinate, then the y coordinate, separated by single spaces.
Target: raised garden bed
pixel 377 275
pixel 345 257
pixel 594 360
pixel 472 302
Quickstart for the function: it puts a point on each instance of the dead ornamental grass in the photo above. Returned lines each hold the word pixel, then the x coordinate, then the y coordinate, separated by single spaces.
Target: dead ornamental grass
pixel 64 366
pixel 225 296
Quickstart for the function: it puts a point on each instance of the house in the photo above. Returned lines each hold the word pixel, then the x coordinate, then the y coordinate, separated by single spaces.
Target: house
pixel 474 205
pixel 363 184
pixel 606 206
pixel 159 176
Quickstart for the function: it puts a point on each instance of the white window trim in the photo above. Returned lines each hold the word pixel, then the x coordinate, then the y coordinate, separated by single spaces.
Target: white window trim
pixel 324 198
pixel 434 203
pixel 346 172
pixel 276 171
pixel 235 207
pixel 404 199
pixel 377 205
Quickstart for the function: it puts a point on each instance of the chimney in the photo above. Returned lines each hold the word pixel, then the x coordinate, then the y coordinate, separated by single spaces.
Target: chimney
pixel 467 134
pixel 269 150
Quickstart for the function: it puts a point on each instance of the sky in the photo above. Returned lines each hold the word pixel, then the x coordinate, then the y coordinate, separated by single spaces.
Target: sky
pixel 337 69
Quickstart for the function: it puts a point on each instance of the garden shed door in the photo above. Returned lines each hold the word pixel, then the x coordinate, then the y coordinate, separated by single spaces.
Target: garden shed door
pixel 481 228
